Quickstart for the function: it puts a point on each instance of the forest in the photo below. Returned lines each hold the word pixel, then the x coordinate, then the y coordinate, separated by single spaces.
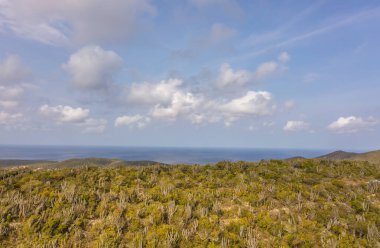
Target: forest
pixel 275 203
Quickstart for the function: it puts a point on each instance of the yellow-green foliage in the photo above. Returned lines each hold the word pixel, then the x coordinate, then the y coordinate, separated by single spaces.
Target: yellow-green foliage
pixel 306 203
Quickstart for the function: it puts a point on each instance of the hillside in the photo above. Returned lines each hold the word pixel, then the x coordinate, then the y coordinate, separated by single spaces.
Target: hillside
pixel 301 203
pixel 338 155
pixel 373 156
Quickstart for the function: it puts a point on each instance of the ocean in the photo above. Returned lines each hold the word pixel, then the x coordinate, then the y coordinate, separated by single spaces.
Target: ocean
pixel 158 154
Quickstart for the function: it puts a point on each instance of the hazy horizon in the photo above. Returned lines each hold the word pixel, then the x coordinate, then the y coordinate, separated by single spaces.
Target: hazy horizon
pixel 347 149
pixel 192 74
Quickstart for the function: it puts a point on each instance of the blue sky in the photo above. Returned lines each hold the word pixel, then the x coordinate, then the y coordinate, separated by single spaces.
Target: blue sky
pixel 198 73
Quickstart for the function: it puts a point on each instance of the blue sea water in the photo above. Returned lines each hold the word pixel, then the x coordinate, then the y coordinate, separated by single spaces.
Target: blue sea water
pixel 159 154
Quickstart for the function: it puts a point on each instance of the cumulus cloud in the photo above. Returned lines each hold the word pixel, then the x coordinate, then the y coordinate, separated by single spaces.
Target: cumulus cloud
pixel 93 67
pixel 132 121
pixel 149 93
pixel 170 100
pixel 167 99
pixel 181 103
pixel 293 126
pixel 76 116
pixel 352 124
pixel 61 22
pixel 65 114
pixel 252 103
pixel 229 77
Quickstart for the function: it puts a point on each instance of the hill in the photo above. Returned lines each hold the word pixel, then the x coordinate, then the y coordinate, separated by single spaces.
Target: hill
pixel 338 155
pixel 373 156
pixel 300 203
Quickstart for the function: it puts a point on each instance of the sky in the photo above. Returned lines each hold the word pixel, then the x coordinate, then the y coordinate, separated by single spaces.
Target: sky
pixel 191 73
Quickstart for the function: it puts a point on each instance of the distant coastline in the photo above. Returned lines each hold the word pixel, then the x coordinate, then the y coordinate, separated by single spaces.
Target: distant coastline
pixel 165 155
pixel 140 158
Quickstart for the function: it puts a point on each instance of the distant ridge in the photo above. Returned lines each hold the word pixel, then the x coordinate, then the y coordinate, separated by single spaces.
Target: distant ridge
pixel 339 155
pixel 373 156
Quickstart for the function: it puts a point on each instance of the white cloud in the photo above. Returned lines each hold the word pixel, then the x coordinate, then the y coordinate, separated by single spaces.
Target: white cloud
pixel 92 67
pixel 148 93
pixel 167 99
pixel 61 22
pixel 75 116
pixel 352 124
pixel 170 100
pixel 257 103
pixel 266 69
pixel 65 114
pixel 132 120
pixel 232 78
pixel 181 103
pixel 296 126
